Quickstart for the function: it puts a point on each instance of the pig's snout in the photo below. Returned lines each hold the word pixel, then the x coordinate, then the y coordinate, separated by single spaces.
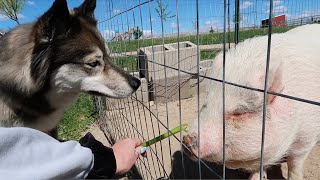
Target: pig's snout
pixel 191 146
pixel 191 141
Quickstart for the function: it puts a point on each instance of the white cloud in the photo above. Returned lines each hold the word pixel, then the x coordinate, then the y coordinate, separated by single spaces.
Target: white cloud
pixel 307 13
pixel 146 33
pixel 108 34
pixel 246 4
pixel 5 18
pixel 304 14
pixel 275 2
pixel 278 9
pixel 116 11
pixel 31 3
pixel 174 25
pixel 21 16
pixel 211 22
pixel 215 24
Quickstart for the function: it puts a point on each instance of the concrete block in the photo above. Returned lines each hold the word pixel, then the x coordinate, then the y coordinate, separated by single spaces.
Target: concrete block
pixel 159 64
pixel 156 62
pixel 172 86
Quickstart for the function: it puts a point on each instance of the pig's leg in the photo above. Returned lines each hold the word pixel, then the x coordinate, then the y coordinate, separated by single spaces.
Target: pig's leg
pixel 256 175
pixel 295 167
pixel 296 160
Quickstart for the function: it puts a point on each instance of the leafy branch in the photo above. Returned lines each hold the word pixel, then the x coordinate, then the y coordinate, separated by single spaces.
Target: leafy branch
pixel 11 8
pixel 162 11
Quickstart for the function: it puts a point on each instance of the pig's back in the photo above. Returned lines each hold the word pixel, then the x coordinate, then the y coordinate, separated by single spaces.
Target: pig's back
pixel 298 50
pixel 301 62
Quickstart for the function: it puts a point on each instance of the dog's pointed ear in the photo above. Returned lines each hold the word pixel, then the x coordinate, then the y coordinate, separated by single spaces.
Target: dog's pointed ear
pixel 54 23
pixel 86 9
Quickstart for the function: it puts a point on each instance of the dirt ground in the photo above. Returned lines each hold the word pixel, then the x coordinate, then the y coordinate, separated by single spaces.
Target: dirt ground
pixel 159 164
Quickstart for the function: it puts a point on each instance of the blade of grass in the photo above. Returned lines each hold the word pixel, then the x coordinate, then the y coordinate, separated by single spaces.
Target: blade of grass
pixel 182 127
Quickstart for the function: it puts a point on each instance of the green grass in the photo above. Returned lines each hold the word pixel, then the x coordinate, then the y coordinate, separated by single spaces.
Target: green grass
pixel 215 38
pixel 77 118
pixel 129 62
pixel 208 54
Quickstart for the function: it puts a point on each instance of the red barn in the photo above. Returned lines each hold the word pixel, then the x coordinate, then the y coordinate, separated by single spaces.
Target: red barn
pixel 276 21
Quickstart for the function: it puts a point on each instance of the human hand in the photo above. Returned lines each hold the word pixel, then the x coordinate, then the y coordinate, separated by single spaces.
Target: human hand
pixel 126 153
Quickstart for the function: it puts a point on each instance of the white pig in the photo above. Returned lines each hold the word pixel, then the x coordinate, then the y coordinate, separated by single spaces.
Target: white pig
pixel 292 127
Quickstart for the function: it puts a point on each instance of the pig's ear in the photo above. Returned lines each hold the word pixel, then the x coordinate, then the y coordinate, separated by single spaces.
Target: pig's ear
pixel 275 83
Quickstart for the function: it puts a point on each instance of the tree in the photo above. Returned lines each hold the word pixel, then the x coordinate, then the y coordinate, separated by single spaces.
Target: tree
pixel 11 8
pixel 194 25
pixel 162 11
pixel 137 33
pixel 211 30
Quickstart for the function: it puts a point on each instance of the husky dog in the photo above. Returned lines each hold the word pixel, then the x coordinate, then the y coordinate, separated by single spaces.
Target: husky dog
pixel 46 64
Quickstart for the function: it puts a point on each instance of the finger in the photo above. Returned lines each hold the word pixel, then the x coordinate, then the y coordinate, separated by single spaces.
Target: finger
pixel 137 142
pixel 137 150
pixel 137 153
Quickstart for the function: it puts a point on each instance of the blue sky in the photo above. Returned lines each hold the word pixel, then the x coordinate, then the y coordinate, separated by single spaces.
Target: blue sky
pixel 31 11
pixel 210 14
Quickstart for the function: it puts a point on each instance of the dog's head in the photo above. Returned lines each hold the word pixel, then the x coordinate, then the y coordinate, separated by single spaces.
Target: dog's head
pixel 70 53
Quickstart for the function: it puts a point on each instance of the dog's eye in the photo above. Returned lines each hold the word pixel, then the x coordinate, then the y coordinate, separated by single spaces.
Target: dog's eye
pixel 93 64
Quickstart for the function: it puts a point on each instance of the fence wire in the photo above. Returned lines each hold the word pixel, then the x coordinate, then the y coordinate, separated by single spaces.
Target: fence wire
pixel 170 46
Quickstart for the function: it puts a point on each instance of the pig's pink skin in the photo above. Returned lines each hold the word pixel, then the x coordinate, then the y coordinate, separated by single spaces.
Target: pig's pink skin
pixel 292 127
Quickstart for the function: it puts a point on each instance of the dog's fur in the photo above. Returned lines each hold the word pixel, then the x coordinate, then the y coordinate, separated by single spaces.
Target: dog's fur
pixel 46 64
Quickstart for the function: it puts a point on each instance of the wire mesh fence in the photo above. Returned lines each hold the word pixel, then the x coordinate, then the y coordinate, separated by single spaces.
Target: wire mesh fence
pixel 171 46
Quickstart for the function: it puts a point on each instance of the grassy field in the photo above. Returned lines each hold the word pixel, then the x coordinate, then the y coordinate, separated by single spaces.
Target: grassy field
pixel 208 55
pixel 77 118
pixel 128 62
pixel 215 38
pixel 131 62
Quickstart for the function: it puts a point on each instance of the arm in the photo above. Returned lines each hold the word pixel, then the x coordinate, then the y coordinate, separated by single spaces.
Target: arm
pixel 26 153
pixel 120 158
pixel 104 159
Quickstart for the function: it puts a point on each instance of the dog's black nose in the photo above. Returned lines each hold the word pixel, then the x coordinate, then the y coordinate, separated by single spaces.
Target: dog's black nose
pixel 134 83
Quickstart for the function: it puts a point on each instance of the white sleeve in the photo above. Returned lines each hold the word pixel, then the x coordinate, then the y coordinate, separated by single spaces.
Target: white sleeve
pixel 30 154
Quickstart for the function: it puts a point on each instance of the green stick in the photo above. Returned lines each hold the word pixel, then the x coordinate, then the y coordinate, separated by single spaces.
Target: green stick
pixel 175 130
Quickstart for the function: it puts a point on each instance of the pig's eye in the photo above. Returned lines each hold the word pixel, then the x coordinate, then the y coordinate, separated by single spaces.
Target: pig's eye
pixel 238 113
pixel 235 115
